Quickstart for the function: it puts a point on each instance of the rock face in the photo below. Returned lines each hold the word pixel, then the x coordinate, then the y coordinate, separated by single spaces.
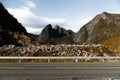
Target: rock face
pixel 55 35
pixel 11 31
pixel 100 29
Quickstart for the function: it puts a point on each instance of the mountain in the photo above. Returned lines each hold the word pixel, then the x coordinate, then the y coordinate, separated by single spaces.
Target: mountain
pixel 11 31
pixel 8 22
pixel 56 35
pixel 103 29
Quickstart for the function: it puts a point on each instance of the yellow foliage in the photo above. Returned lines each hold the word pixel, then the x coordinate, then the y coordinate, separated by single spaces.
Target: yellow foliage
pixel 21 38
pixel 117 49
pixel 113 43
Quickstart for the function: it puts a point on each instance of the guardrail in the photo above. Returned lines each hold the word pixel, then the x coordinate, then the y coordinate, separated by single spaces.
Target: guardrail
pixel 57 57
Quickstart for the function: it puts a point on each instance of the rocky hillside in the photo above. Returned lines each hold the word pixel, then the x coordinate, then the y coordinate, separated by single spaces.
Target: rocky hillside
pixel 11 31
pixel 57 50
pixel 103 29
pixel 56 35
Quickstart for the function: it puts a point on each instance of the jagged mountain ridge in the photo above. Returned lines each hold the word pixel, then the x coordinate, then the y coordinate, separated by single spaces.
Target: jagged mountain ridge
pixel 55 35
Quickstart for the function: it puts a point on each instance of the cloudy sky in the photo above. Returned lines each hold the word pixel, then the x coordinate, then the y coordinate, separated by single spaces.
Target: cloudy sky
pixel 70 14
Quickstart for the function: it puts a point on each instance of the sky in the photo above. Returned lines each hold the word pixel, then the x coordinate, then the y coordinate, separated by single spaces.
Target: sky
pixel 69 14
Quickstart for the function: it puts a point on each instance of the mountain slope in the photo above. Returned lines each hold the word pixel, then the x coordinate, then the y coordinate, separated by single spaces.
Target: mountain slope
pixel 8 22
pixel 11 31
pixel 100 30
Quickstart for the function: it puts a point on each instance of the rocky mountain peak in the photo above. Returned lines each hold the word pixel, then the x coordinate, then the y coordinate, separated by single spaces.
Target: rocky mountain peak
pixel 52 34
pixel 60 30
pixel 109 16
pixel 104 15
pixel 56 27
pixel 49 26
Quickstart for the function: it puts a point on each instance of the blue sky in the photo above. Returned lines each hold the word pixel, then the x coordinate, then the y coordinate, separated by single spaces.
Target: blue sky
pixel 70 14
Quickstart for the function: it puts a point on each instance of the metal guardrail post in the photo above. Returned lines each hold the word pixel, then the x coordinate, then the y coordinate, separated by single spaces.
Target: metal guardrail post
pixel 48 60
pixel 19 59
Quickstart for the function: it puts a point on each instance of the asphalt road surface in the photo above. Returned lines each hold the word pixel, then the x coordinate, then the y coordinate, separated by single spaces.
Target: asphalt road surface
pixel 59 71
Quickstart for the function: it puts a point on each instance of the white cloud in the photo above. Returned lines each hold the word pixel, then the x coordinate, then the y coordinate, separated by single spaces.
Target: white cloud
pixel 75 25
pixel 54 21
pixel 34 30
pixel 21 13
pixel 31 21
pixel 30 4
pixel 34 23
pixel 85 20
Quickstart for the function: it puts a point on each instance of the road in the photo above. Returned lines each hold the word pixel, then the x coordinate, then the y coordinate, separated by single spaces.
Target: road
pixel 59 71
